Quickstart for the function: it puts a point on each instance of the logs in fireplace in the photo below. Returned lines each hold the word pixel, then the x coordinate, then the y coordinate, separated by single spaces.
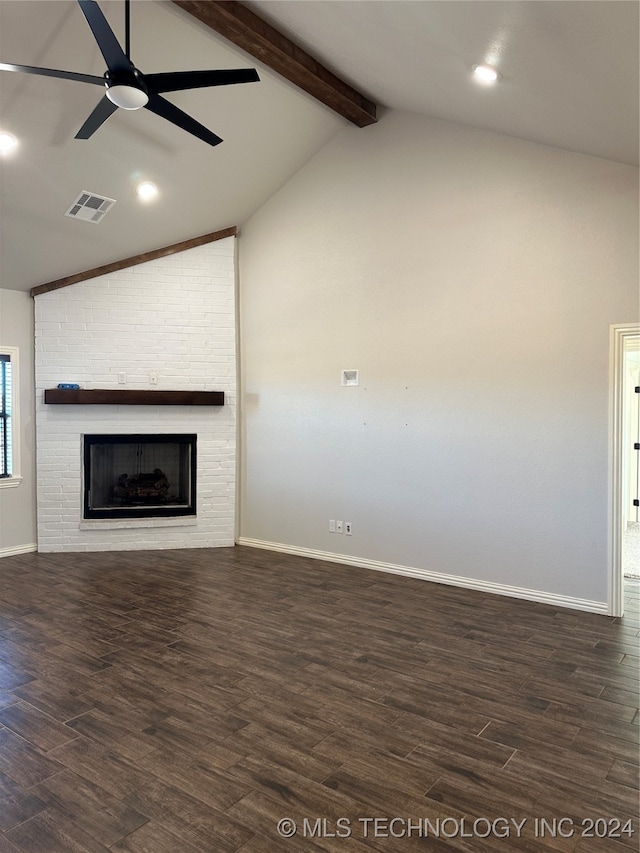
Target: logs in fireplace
pixel 134 475
pixel 145 488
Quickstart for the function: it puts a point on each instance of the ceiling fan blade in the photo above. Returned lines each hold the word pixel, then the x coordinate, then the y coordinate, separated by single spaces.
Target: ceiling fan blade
pixel 51 72
pixel 175 81
pixel 170 112
pixel 109 45
pixel 96 119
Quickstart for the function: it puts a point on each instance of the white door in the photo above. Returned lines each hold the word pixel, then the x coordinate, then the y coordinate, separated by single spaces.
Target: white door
pixel 624 457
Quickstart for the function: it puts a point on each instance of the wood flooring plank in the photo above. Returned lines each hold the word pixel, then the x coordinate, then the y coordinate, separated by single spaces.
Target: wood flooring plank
pixel 13 676
pixel 622 697
pixel 590 742
pixel 593 792
pixel 61 655
pixel 619 645
pixel 599 716
pixel 144 631
pixel 6 846
pixel 515 708
pixel 260 815
pixel 42 636
pixel 51 832
pixel 604 845
pixel 299 731
pixel 437 704
pixel 539 760
pixel 24 762
pixel 339 707
pixel 57 698
pixel 617 677
pixel 625 773
pixel 8 697
pixel 195 774
pixel 260 844
pixel 35 726
pixel 347 678
pixel 188 700
pixel 519 735
pixel 348 741
pixel 479 793
pixel 583 802
pixel 124 707
pixel 179 734
pixel 16 803
pixel 100 765
pixel 152 838
pixel 187 817
pixel 385 784
pixel 443 739
pixel 290 789
pixel 98 813
pixel 257 741
pixel 568 690
pixel 100 727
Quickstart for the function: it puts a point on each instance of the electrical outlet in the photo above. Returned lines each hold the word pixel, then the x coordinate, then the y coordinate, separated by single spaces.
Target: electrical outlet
pixel 122 377
pixel 338 527
pixel 332 525
pixel 153 377
pixel 347 528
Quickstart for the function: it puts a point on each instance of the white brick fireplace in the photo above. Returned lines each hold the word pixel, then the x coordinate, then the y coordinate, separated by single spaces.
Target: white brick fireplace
pixel 173 317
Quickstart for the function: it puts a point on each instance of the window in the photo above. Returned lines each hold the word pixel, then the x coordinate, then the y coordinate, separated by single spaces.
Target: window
pixel 9 437
pixel 5 416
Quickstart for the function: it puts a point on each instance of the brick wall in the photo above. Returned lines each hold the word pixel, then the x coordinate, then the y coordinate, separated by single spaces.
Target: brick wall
pixel 174 316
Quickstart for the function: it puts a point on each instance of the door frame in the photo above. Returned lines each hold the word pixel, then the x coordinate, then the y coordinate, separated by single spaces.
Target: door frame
pixel 619 335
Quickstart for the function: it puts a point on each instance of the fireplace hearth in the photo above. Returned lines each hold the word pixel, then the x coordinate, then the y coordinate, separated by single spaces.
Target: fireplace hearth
pixel 139 476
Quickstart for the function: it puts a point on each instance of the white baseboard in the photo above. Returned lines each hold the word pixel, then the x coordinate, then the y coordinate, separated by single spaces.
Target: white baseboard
pixel 424 574
pixel 18 549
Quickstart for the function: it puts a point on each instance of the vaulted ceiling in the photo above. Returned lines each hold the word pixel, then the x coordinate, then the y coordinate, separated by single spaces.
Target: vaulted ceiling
pixel 569 79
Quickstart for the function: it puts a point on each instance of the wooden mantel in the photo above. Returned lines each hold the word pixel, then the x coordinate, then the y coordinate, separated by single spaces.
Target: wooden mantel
pixel 117 397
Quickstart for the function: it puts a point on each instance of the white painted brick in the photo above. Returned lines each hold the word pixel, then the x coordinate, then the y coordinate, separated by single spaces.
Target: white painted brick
pixel 175 316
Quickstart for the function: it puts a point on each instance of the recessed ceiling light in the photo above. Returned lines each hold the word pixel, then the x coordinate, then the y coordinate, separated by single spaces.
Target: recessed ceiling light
pixel 8 142
pixel 147 191
pixel 486 73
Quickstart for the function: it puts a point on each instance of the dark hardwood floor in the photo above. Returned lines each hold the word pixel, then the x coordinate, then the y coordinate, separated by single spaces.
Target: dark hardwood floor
pixel 188 701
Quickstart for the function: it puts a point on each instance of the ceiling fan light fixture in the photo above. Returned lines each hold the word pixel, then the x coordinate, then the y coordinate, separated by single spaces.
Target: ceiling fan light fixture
pixel 129 89
pixel 127 97
pixel 486 73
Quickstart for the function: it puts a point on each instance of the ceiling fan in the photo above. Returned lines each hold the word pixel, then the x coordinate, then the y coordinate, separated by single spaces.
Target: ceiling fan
pixel 130 89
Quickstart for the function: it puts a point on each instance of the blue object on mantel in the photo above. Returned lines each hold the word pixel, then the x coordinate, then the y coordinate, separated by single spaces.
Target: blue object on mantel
pixel 69 386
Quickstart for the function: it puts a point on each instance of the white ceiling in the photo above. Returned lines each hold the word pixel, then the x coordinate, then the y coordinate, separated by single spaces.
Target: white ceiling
pixel 569 78
pixel 269 130
pixel 569 68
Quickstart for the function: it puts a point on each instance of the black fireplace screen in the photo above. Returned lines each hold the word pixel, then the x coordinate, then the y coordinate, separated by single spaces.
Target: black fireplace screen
pixel 139 476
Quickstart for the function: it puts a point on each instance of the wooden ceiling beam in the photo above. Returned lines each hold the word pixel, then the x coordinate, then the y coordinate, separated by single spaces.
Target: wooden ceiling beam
pixel 245 29
pixel 153 255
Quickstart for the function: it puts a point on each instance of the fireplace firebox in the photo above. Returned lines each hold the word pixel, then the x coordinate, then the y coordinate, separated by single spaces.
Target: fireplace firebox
pixel 139 476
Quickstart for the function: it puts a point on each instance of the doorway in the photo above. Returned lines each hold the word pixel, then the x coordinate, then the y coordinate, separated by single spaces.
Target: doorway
pixel 624 480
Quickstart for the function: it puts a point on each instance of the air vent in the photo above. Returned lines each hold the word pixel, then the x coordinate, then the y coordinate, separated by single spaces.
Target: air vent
pixel 90 207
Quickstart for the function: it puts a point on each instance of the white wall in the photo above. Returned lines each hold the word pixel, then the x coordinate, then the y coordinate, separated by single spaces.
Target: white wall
pixel 471 278
pixel 18 504
pixel 174 316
